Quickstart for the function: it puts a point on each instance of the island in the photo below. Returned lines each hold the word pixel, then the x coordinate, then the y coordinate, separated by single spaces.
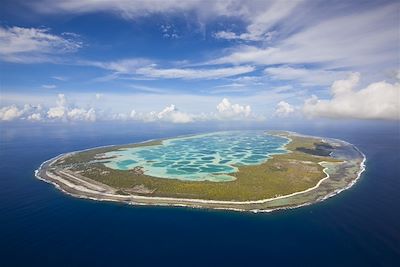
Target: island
pixel 258 171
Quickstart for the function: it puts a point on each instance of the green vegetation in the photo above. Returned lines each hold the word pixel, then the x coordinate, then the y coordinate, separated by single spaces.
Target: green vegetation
pixel 281 175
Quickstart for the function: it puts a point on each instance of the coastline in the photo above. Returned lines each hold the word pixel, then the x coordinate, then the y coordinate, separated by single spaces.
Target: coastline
pixel 87 193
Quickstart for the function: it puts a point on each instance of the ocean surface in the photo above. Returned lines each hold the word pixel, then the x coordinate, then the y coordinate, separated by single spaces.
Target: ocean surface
pixel 41 226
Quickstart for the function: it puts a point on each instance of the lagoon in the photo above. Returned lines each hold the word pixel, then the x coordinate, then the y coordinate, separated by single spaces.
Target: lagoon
pixel 206 157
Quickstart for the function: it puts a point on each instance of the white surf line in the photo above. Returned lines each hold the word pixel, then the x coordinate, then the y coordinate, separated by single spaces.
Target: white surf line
pixel 193 205
pixel 60 179
pixel 334 193
pixel 353 182
pixel 203 201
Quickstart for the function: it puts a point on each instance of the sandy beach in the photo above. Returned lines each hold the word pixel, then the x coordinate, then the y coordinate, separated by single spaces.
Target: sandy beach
pixel 81 187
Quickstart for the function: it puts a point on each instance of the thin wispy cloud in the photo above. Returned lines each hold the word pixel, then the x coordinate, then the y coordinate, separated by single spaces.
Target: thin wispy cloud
pixel 363 40
pixel 49 86
pixel 305 76
pixel 281 59
pixel 26 45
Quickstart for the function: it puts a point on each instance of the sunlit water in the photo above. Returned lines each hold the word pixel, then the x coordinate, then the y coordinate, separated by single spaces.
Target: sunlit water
pixel 200 157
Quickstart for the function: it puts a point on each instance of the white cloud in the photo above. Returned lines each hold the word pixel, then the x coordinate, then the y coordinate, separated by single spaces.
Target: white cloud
pixel 168 114
pixel 62 111
pixel 81 114
pixel 261 20
pixel 98 96
pixel 13 112
pixel 132 114
pixel 366 39
pixel 150 89
pixel 26 45
pixel 174 73
pixel 145 69
pixel 226 35
pixel 259 15
pixel 56 113
pixel 61 100
pixel 59 111
pixel 230 88
pixel 172 114
pixel 380 100
pixel 126 9
pixel 10 113
pixel 259 36
pixel 139 8
pixel 119 117
pixel 49 86
pixel 124 66
pixel 283 88
pixel 227 110
pixel 35 117
pixel 304 76
pixel 341 87
pixel 60 78
pixel 283 109
pixel 169 31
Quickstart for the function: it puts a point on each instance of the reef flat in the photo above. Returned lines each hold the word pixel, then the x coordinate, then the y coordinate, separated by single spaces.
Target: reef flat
pixel 237 170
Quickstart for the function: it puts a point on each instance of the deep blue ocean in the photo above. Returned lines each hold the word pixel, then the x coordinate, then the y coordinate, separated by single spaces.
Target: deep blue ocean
pixel 41 226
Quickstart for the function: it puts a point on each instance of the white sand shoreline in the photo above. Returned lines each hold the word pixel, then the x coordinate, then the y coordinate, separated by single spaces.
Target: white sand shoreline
pixel 186 202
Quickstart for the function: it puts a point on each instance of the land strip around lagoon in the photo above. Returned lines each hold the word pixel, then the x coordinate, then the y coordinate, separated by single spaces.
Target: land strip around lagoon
pixel 305 170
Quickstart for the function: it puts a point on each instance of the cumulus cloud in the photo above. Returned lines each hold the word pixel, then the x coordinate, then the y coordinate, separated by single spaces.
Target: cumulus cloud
pixel 81 114
pixel 119 117
pixel 14 112
pixel 62 111
pixel 227 110
pixel 169 114
pixel 59 111
pixel 24 45
pixel 10 113
pixel 98 96
pixel 380 100
pixel 132 114
pixel 35 117
pixel 66 110
pixel 283 109
pixel 172 114
pixel 56 113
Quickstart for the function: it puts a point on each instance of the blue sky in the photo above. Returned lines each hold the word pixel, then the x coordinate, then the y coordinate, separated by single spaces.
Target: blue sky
pixel 187 61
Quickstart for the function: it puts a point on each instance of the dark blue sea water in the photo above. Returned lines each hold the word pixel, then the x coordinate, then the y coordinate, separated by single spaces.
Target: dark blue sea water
pixel 41 226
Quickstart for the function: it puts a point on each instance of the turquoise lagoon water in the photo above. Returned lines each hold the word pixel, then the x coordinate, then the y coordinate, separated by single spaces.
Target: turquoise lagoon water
pixel 200 157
